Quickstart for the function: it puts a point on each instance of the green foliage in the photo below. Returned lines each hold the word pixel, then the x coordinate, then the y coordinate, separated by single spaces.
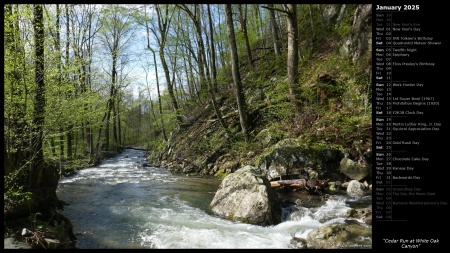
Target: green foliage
pixel 325 82
pixel 73 165
pixel 221 173
pixel 343 128
pixel 241 146
pixel 15 190
pixel 156 144
pixel 33 218
pixel 209 142
pixel 343 28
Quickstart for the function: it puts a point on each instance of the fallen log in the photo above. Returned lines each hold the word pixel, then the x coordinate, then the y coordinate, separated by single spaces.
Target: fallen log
pixel 310 185
pixel 298 183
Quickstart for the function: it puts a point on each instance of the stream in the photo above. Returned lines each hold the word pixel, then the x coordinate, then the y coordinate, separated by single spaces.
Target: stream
pixel 121 204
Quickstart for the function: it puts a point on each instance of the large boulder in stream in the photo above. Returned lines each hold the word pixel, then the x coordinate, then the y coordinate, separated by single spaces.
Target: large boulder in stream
pixel 356 189
pixel 352 169
pixel 246 196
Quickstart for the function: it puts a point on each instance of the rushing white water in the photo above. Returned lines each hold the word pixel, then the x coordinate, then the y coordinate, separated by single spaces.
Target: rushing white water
pixel 120 204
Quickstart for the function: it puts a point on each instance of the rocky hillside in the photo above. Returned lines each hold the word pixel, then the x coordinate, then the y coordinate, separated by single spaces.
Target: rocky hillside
pixel 328 136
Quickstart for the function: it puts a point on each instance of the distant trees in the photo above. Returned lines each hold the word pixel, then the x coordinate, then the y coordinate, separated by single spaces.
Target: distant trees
pixel 116 35
pixel 82 26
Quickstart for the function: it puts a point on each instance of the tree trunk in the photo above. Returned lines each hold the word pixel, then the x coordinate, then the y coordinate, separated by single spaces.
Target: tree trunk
pixel 163 27
pixel 113 95
pixel 39 107
pixel 66 68
pixel 61 142
pixel 89 131
pixel 195 88
pixel 220 43
pixel 152 109
pixel 76 144
pixel 188 48
pixel 58 50
pixel 119 141
pixel 312 23
pixel 242 107
pixel 173 61
pixel 188 79
pixel 243 21
pixel 157 83
pixel 292 61
pixel 69 137
pixel 116 141
pixel 170 85
pixel 159 97
pixel 101 127
pixel 261 32
pixel 213 85
pixel 159 101
pixel 275 31
pixel 203 70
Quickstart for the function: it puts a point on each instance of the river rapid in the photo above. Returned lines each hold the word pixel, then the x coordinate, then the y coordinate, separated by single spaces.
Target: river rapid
pixel 121 204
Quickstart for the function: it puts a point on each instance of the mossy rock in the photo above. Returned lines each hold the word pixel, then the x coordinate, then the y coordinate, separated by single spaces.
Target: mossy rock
pixel 292 156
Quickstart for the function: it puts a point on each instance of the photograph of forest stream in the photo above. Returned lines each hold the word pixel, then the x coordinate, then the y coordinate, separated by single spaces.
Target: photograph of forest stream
pixel 179 126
